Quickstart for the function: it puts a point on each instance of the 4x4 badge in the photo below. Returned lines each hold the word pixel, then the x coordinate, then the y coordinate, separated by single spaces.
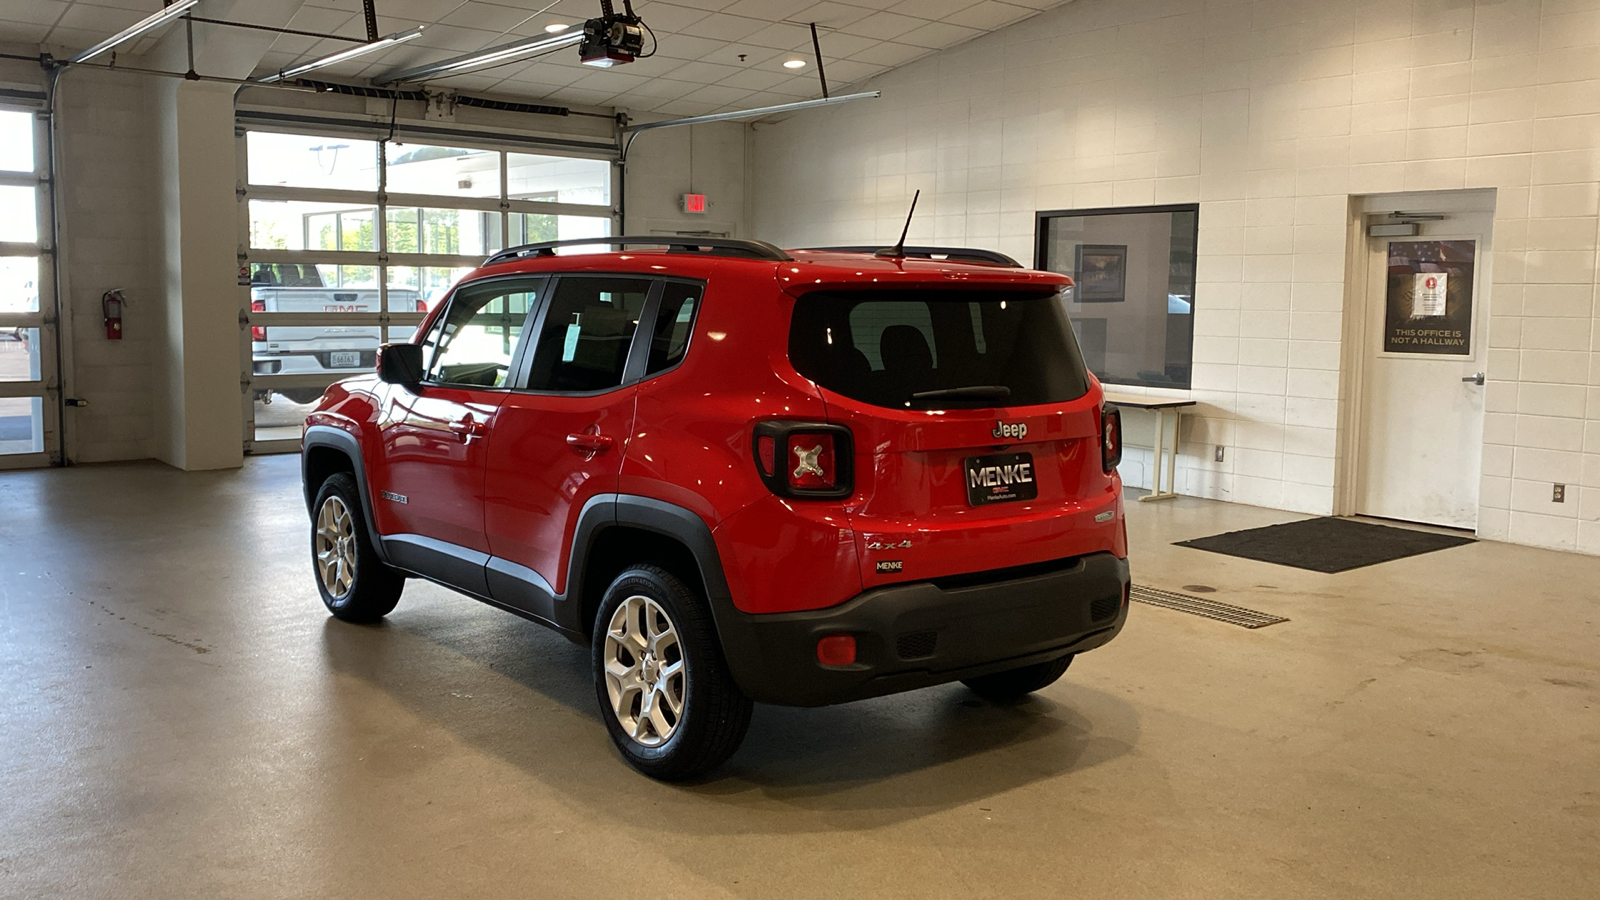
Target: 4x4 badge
pixel 879 545
pixel 1002 430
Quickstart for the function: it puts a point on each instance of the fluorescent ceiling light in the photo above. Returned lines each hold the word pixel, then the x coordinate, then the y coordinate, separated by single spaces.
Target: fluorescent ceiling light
pixel 750 113
pixel 178 8
pixel 336 58
pixel 491 56
pixel 794 64
pixel 556 27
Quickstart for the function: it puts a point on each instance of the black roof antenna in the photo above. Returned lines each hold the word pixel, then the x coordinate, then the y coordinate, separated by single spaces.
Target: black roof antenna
pixel 898 251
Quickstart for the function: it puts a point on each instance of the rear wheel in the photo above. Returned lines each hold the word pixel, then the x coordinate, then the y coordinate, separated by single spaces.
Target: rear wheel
pixel 355 584
pixel 664 689
pixel 1014 683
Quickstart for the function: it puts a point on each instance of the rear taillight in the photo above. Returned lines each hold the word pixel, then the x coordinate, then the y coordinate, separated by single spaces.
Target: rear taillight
pixel 422 306
pixel 1110 438
pixel 258 332
pixel 804 459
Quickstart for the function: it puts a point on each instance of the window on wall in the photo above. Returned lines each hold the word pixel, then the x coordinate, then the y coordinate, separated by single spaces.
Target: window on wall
pixel 351 241
pixel 1133 297
pixel 27 330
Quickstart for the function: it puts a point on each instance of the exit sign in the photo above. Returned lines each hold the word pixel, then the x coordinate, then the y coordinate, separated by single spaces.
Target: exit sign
pixel 694 203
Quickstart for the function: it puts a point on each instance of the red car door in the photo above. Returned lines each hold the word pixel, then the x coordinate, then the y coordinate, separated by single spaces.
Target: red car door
pixel 560 439
pixel 436 439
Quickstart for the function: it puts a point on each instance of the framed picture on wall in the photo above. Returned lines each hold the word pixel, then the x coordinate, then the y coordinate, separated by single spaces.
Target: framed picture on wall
pixel 1101 273
pixel 1429 304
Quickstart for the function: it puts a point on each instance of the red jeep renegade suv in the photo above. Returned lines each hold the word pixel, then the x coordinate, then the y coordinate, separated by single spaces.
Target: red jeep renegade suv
pixel 741 474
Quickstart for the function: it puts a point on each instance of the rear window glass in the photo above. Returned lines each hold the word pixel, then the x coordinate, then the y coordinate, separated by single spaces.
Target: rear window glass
pixel 928 349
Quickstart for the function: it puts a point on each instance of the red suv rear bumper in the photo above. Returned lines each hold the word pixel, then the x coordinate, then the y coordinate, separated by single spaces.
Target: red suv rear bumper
pixel 929 632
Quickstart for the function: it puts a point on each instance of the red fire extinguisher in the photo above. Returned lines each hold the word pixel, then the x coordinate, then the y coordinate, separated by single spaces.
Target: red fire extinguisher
pixel 111 305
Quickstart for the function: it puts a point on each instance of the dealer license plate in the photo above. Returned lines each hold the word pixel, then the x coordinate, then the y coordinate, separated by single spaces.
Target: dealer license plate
pixel 348 359
pixel 1000 478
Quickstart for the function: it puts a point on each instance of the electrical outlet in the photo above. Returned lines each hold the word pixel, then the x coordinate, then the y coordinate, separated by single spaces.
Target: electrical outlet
pixel 1559 495
pixel 1220 453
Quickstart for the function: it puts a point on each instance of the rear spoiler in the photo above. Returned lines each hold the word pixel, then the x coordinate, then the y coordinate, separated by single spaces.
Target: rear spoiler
pixel 953 254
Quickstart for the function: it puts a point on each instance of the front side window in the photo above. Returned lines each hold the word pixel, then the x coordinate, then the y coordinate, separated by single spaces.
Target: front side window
pixel 587 334
pixel 939 349
pixel 1133 303
pixel 473 343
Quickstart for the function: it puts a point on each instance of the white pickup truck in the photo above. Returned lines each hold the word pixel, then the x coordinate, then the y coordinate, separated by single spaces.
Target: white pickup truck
pixel 314 349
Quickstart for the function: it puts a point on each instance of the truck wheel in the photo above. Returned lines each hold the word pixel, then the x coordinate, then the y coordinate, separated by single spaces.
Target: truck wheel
pixel 664 689
pixel 1014 683
pixel 355 585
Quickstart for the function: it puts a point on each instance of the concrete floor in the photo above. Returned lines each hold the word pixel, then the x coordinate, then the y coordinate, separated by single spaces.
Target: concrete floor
pixel 178 717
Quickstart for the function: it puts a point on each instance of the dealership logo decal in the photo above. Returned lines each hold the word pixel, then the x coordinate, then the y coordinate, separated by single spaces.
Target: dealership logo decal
pixel 1001 476
pixel 1002 430
pixel 891 565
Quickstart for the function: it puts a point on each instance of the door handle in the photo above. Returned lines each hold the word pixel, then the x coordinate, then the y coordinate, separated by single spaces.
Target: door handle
pixel 1476 379
pixel 468 428
pixel 589 443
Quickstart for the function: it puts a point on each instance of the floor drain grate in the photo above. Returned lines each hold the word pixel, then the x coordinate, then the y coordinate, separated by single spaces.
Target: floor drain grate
pixel 1199 606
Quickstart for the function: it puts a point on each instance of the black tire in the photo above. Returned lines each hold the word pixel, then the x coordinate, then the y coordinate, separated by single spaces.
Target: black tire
pixel 1014 683
pixel 301 396
pixel 714 713
pixel 372 588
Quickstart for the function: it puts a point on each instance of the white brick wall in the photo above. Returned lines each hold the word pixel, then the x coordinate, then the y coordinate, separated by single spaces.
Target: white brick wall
pixel 1270 114
pixel 105 177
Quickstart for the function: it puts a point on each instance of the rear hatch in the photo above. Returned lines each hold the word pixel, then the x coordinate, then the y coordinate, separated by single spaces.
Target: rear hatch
pixel 976 426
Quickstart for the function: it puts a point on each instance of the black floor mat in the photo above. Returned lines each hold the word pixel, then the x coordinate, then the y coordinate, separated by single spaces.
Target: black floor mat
pixel 1326 545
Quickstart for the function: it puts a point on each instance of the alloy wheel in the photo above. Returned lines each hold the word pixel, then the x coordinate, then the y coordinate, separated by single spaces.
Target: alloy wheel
pixel 336 547
pixel 644 670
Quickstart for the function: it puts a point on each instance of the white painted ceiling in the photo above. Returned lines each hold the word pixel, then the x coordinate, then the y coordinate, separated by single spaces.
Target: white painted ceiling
pixel 697 69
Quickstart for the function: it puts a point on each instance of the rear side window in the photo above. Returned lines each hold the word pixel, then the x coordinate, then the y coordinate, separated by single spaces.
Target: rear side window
pixel 939 349
pixel 583 346
pixel 674 323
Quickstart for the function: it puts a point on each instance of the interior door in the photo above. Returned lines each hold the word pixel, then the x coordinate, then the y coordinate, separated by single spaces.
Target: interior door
pixel 436 439
pixel 560 440
pixel 1422 386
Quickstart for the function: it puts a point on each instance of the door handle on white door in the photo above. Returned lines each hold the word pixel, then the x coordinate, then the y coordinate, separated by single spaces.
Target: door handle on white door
pixel 1476 379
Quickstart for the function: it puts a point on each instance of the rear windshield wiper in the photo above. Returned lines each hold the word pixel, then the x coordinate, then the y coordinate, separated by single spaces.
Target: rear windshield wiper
pixel 975 392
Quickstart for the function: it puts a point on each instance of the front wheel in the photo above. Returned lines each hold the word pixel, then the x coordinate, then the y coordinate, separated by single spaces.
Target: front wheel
pixel 664 689
pixel 1014 683
pixel 355 584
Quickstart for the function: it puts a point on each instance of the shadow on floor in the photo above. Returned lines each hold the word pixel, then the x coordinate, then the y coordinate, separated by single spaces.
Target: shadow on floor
pixel 511 689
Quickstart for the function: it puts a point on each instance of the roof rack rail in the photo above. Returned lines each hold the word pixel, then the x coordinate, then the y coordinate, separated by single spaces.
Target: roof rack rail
pixel 954 254
pixel 673 243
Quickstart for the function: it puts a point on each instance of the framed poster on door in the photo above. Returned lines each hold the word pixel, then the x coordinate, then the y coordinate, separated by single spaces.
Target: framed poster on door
pixel 1429 309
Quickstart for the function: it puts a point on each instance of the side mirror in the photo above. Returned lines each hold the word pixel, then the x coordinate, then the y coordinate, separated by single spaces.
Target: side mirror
pixel 400 364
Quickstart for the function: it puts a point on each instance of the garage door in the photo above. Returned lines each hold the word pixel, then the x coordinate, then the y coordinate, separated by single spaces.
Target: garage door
pixel 29 408
pixel 351 241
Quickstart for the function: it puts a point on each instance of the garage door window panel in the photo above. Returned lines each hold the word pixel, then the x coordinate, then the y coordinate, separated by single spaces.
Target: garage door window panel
pixel 442 171
pixel 19 284
pixel 558 179
pixel 19 215
pixel 309 161
pixel 16 141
